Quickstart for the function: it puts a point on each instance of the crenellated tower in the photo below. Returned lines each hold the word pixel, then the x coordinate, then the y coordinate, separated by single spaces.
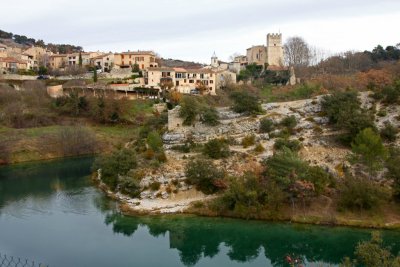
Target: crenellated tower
pixel 274 49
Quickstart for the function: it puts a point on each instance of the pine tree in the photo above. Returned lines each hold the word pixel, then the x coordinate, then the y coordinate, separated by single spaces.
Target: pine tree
pixel 95 75
pixel 80 59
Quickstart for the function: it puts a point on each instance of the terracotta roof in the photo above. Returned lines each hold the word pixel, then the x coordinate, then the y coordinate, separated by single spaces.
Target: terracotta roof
pixel 12 60
pixel 101 56
pixel 137 53
pixel 58 55
pixel 180 70
pixel 160 69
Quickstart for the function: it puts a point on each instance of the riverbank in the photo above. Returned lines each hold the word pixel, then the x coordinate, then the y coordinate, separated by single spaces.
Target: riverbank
pixel 193 202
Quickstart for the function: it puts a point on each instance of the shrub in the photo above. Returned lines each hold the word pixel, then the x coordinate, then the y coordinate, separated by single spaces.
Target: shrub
pixel 372 253
pixel 249 140
pixel 216 148
pixel 204 175
pixel 293 145
pixel 266 125
pixel 382 113
pixel 285 168
pixel 118 163
pixel 344 111
pixel 389 133
pixel 155 141
pixel 290 122
pixel 394 171
pixel 155 186
pixel 244 102
pixel 359 194
pixel 130 186
pixel 193 107
pixel 247 196
pixel 182 148
pixel 259 148
pixel 369 149
pixel 209 116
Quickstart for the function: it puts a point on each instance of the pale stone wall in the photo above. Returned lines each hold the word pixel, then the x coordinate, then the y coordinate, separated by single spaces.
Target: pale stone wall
pixel 55 91
pixel 274 50
pixel 174 121
pixel 257 54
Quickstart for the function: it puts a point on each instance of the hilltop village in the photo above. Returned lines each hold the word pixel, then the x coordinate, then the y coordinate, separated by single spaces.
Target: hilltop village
pixel 146 68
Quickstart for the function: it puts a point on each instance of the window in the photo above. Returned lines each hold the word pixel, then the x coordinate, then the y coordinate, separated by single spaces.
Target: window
pixel 184 80
pixel 123 62
pixel 211 82
pixel 191 81
pixel 122 56
pixel 178 75
pixel 202 76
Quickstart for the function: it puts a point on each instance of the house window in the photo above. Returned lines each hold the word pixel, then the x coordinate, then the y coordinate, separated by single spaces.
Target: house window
pixel 122 56
pixel 191 81
pixel 201 76
pixel 123 62
pixel 178 75
pixel 211 82
pixel 177 83
pixel 184 80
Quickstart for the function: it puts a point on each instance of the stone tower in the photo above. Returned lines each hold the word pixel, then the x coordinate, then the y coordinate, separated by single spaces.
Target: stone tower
pixel 274 49
pixel 214 61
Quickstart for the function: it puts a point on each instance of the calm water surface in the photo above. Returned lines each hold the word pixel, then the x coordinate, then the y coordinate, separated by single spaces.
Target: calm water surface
pixel 50 212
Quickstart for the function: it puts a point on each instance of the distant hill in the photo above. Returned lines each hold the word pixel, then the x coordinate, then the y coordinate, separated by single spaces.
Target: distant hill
pixel 176 63
pixel 22 41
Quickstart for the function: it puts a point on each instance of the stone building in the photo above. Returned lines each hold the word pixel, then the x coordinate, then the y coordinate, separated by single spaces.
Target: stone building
pixel 144 59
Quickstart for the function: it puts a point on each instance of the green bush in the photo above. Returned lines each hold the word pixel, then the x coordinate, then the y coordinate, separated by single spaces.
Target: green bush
pixel 259 148
pixel 290 122
pixel 369 149
pixel 360 194
pixel 372 253
pixel 293 145
pixel 244 102
pixel 285 168
pixel 391 94
pixel 389 133
pixel 118 163
pixel 182 148
pixel 217 148
pixel 394 171
pixel 155 186
pixel 130 186
pixel 266 125
pixel 209 116
pixel 248 140
pixel 247 197
pixel 344 111
pixel 155 141
pixel 204 175
pixel 193 107
pixel 382 113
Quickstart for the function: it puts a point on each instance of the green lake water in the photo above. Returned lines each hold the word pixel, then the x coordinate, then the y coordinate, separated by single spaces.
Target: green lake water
pixel 51 213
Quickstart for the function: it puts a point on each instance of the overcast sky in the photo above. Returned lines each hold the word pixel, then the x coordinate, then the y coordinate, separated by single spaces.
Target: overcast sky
pixel 194 29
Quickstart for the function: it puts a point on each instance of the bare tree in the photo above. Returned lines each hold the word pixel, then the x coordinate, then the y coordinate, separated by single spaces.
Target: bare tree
pixel 297 52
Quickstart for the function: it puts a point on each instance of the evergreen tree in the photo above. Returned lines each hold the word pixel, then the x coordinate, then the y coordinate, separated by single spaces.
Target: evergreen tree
pixel 80 59
pixel 95 75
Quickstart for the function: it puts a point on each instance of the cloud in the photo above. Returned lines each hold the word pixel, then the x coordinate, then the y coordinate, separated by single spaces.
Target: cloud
pixel 177 28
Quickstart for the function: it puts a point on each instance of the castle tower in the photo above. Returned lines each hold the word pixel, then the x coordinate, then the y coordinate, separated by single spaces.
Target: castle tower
pixel 274 49
pixel 214 61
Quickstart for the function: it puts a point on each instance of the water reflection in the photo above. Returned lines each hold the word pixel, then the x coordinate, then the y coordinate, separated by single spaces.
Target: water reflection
pixel 44 189
pixel 201 237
